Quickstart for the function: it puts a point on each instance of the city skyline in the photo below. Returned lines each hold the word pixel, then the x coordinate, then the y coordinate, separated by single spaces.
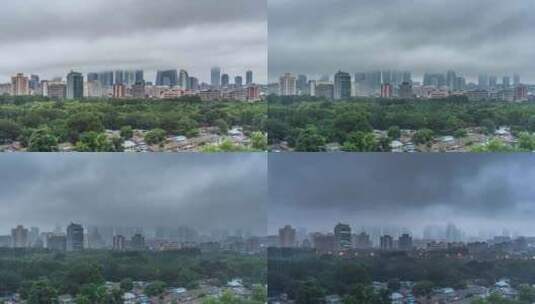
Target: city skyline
pixel 489 37
pixel 175 34
pixel 476 192
pixel 134 190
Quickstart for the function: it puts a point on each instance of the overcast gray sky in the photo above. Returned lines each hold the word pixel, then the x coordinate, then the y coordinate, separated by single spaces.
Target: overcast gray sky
pixel 50 39
pixel 477 192
pixel 205 191
pixel 320 37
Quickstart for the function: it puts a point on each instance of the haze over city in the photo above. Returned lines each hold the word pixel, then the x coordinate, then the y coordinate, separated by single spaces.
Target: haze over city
pixel 205 192
pixel 478 193
pixel 102 35
pixel 475 37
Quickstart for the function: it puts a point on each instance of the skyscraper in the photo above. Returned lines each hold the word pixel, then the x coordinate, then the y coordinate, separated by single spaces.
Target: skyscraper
pixel 139 77
pixel 483 81
pixel 405 90
pixel 287 236
pixel 183 79
pixel 225 80
pixel 301 84
pixel 238 81
pixel 506 82
pixel 342 85
pixel 106 78
pixel 342 233
pixel 75 85
pixel 118 242
pixel 386 242
pixel 249 77
pixel 119 77
pixel 20 85
pixel 451 77
pixel 19 237
pixel 405 242
pixel 516 79
pixel 75 237
pixel 137 242
pixel 215 74
pixel 288 85
pixel 166 78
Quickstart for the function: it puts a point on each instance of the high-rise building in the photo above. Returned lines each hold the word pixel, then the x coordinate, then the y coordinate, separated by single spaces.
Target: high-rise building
pixel 92 76
pixel 56 242
pixel 33 82
pixel 288 85
pixel 19 237
pixel 106 78
pixel 166 78
pixel 138 90
pixel 55 90
pixel 119 77
pixel 386 242
pixel 483 81
pixel 405 90
pixel 75 237
pixel 138 242
pixel 493 82
pixel 386 90
pixel 215 77
pixel 183 79
pixel 301 84
pixel 521 93
pixel 139 77
pixel 193 83
pixel 75 85
pixel 362 241
pixel 324 243
pixel 405 242
pixel 129 77
pixel 119 242
pixel 342 85
pixel 119 90
pixel 342 233
pixel 325 90
pixel 249 77
pixel 516 80
pixel 506 82
pixel 287 236
pixel 238 81
pixel 225 80
pixel 460 84
pixel 20 85
pixel 451 77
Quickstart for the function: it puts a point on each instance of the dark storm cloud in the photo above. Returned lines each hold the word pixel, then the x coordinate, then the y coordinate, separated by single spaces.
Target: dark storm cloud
pixel 219 191
pixel 477 191
pixel 320 37
pixel 55 37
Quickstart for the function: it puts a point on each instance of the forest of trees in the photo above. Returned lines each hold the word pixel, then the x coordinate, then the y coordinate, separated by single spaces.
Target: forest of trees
pixel 309 279
pixel 308 123
pixel 40 124
pixel 40 275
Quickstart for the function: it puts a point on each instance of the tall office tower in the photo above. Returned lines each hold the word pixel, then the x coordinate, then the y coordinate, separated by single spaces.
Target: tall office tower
pixel 193 83
pixel 460 84
pixel 405 90
pixel 225 80
pixel 75 85
pixel 183 79
pixel 75 237
pixel 342 85
pixel 386 76
pixel 311 88
pixel 287 237
pixel 106 78
pixel 516 79
pixel 139 77
pixel 137 242
pixel 288 85
pixel 493 82
pixel 342 233
pixel 405 242
pixel 215 77
pixel 19 237
pixel 166 78
pixel 33 83
pixel 407 77
pixel 301 84
pixel 325 90
pixel 451 77
pixel 386 242
pixel 119 77
pixel 56 242
pixel 92 76
pixel 453 234
pixel 138 90
pixel 249 77
pixel 437 80
pixel 119 242
pixel 506 82
pixel 362 241
pixel 33 235
pixel 386 90
pixel 129 77
pixel 238 81
pixel 20 85
pixel 483 81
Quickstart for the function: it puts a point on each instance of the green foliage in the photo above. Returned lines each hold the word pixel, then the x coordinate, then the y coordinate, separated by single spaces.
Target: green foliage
pixel 394 132
pixel 9 130
pixel 259 141
pixel 222 125
pixel 226 146
pixel 42 292
pixel 310 292
pixel 98 142
pixel 155 288
pixel 494 145
pixel 365 294
pixel 423 288
pixel 127 284
pixel 360 142
pixel 127 132
pixel 488 125
pixel 155 136
pixel 42 140
pixel 309 140
pixel 423 136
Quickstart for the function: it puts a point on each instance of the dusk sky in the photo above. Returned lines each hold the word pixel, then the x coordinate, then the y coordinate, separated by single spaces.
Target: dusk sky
pixel 96 35
pixel 477 192
pixel 204 191
pixel 320 37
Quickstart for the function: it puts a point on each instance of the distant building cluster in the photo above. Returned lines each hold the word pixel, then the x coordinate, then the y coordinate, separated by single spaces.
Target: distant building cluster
pixel 131 84
pixel 77 238
pixel 399 84
pixel 436 240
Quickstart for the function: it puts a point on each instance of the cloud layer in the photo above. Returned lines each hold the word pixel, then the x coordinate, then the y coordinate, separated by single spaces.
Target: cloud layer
pixel 319 37
pixel 219 191
pixel 98 35
pixel 478 192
